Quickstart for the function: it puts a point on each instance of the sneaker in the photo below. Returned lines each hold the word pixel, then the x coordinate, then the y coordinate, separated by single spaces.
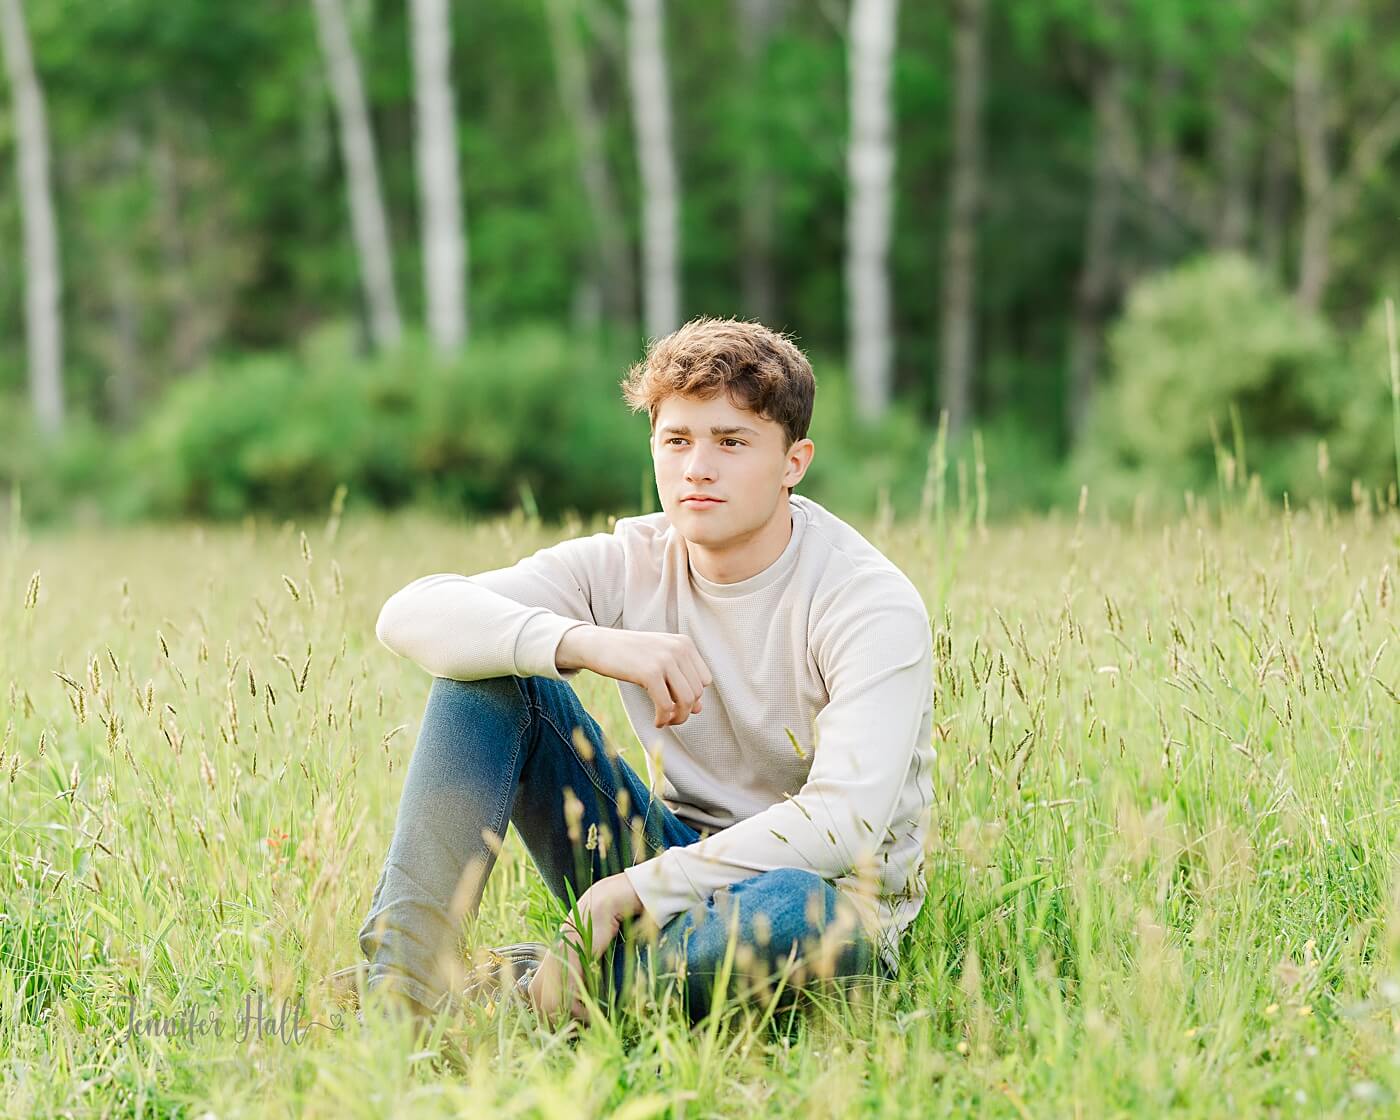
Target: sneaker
pixel 345 985
pixel 506 972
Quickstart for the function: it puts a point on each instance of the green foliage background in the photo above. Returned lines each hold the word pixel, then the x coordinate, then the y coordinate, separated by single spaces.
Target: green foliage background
pixel 205 242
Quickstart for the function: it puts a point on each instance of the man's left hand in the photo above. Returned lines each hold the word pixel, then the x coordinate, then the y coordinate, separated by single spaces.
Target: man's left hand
pixel 558 982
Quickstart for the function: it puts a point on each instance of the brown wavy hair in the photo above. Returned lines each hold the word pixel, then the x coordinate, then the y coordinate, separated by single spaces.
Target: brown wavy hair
pixel 761 370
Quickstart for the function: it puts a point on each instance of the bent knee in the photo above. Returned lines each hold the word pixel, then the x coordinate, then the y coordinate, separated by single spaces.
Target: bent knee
pixel 790 879
pixel 497 689
pixel 789 890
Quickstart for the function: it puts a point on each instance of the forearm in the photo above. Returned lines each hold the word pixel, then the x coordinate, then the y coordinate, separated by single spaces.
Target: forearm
pixel 452 627
pixel 574 647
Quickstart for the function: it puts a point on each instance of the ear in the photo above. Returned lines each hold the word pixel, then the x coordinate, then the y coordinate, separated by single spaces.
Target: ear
pixel 799 458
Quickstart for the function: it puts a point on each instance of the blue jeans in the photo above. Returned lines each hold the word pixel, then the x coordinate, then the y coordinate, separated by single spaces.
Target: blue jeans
pixel 524 751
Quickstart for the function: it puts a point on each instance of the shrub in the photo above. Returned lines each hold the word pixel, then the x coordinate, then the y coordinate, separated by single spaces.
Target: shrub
pixel 279 433
pixel 1366 442
pixel 854 461
pixel 534 416
pixel 1201 350
pixel 49 475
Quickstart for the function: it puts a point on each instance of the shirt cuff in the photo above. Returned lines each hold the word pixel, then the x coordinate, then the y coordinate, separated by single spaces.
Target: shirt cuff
pixel 538 643
pixel 663 888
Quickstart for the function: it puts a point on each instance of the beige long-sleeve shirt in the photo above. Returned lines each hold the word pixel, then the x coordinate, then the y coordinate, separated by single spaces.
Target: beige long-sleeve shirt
pixel 813 747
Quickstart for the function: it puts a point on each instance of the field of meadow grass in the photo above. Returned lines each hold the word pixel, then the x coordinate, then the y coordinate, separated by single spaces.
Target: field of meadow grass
pixel 1162 871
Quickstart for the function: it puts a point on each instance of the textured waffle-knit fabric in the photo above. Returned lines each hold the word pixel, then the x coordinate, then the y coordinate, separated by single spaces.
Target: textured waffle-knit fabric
pixel 813 748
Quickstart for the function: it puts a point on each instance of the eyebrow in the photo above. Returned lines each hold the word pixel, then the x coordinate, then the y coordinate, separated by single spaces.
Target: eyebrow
pixel 681 430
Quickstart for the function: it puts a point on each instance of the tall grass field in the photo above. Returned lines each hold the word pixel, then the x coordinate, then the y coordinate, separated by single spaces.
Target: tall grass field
pixel 1162 865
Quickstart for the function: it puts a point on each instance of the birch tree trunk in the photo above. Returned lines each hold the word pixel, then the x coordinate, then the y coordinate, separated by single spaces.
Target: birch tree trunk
pixel 614 267
pixel 439 186
pixel 367 220
pixel 42 280
pixel 1310 114
pixel 1094 291
pixel 756 21
pixel 870 168
pixel 651 109
pixel 960 256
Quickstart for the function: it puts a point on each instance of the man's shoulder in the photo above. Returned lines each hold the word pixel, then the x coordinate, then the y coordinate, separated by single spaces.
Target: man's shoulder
pixel 852 574
pixel 630 534
pixel 643 535
pixel 624 549
pixel 646 525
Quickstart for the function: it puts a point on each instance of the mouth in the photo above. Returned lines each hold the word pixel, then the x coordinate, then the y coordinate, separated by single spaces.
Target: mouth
pixel 701 503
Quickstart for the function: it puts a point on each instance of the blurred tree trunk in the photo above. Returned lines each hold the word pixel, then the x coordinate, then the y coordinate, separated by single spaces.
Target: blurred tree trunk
pixel 367 219
pixel 613 275
pixel 651 109
pixel 1280 148
pixel 43 283
pixel 1310 113
pixel 165 181
pixel 119 344
pixel 439 185
pixel 1233 161
pixel 1369 113
pixel 1094 291
pixel 197 306
pixel 756 21
pixel 959 340
pixel 870 168
pixel 1164 161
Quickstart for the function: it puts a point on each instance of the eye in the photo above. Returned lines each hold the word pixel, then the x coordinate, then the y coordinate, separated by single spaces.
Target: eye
pixel 731 439
pixel 673 439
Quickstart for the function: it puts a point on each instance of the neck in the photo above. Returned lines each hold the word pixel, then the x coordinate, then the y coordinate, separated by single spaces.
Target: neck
pixel 746 555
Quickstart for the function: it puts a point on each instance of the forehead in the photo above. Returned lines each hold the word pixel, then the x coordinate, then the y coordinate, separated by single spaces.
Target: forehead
pixel 701 415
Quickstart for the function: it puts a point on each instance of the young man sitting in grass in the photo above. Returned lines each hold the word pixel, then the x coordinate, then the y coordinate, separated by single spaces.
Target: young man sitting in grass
pixel 776 667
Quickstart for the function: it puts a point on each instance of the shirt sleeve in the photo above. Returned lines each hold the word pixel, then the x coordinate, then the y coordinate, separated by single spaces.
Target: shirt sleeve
pixel 508 621
pixel 878 666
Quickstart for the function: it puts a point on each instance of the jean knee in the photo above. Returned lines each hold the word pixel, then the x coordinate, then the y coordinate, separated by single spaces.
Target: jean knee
pixel 453 703
pixel 499 689
pixel 793 880
pixel 540 690
pixel 793 891
pixel 758 909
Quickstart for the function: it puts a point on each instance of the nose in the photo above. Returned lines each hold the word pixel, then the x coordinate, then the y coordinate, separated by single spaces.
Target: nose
pixel 697 467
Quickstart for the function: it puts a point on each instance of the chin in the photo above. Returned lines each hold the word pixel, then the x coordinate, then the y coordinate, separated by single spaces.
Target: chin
pixel 704 524
pixel 702 528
